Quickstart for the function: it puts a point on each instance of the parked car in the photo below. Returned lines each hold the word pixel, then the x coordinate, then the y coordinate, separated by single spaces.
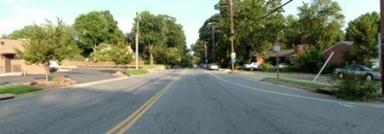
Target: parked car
pixel 359 71
pixel 252 66
pixel 53 66
pixel 213 67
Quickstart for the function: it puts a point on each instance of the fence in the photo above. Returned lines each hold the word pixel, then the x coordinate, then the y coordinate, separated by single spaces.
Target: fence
pixel 91 65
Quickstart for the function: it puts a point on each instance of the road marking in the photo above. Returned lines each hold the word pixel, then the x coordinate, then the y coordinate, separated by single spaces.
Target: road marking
pixel 346 105
pixel 127 123
pixel 286 94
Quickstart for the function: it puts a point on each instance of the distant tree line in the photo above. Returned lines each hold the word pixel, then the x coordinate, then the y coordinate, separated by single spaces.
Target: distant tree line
pixel 318 24
pixel 97 37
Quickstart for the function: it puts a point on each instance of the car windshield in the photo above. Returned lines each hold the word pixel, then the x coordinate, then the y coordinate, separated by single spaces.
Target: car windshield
pixel 191 66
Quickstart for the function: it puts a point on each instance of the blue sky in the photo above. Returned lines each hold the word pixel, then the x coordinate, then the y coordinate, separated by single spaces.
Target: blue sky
pixel 15 14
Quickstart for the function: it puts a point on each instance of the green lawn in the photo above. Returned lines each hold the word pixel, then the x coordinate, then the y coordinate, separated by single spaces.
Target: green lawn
pixel 17 89
pixel 136 72
pixel 308 85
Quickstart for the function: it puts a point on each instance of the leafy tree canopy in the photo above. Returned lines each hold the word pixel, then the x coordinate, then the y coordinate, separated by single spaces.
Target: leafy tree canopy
pixel 96 27
pixel 363 32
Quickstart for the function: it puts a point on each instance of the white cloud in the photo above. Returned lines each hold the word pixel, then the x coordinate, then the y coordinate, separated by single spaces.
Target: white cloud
pixel 124 23
pixel 22 16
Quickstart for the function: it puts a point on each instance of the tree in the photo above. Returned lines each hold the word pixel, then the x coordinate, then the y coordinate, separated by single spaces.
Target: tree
pixel 168 56
pixel 363 32
pixel 23 33
pixel 120 53
pixel 101 53
pixel 292 32
pixel 199 51
pixel 49 42
pixel 152 32
pixel 255 32
pixel 310 61
pixel 320 23
pixel 175 36
pixel 96 27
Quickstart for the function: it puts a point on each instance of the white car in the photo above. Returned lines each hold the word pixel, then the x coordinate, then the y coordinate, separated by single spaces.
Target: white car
pixel 252 66
pixel 213 67
pixel 53 66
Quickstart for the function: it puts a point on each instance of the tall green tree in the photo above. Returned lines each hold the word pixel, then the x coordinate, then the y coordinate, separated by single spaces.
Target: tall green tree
pixel 363 32
pixel 254 32
pixel 292 33
pixel 199 51
pixel 320 23
pixel 96 27
pixel 23 33
pixel 49 42
pixel 152 29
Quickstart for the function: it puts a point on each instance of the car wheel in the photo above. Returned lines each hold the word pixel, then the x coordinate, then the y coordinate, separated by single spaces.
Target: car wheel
pixel 341 75
pixel 369 77
pixel 251 69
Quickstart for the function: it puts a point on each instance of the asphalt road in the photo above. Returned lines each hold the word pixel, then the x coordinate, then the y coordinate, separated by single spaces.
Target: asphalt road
pixel 199 102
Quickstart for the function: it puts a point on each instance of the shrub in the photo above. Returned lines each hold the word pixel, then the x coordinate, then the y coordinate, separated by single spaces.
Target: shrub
pixel 120 53
pixel 309 61
pixel 266 67
pixel 353 88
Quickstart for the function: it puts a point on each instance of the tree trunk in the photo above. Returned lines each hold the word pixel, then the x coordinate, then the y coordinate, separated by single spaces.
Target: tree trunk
pixel 150 55
pixel 47 72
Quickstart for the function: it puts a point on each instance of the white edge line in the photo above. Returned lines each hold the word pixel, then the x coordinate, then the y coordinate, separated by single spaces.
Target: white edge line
pixel 346 104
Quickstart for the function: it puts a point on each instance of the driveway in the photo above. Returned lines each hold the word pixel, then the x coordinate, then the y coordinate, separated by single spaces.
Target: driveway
pixel 79 75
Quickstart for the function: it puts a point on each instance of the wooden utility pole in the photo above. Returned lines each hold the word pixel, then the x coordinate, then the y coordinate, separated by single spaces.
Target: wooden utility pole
pixel 137 41
pixel 382 43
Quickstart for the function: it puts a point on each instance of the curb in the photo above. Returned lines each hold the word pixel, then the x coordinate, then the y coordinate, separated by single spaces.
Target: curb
pixel 95 82
pixel 7 96
pixel 4 97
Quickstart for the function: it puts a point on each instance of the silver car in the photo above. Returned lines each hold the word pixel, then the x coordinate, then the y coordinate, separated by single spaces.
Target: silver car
pixel 213 67
pixel 359 71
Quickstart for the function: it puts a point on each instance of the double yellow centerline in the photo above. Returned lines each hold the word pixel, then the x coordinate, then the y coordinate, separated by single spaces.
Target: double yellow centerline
pixel 127 123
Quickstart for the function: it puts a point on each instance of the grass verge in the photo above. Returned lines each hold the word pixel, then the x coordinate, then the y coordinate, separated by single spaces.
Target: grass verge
pixel 307 85
pixel 140 71
pixel 17 89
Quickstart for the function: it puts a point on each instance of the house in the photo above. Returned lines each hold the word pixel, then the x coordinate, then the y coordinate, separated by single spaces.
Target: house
pixel 10 61
pixel 339 48
pixel 288 55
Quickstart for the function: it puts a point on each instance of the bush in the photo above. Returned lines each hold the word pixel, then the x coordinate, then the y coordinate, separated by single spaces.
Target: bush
pixel 309 61
pixel 266 67
pixel 353 88
pixel 120 53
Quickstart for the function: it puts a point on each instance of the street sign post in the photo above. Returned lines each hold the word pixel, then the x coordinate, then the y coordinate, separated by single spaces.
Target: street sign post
pixel 276 48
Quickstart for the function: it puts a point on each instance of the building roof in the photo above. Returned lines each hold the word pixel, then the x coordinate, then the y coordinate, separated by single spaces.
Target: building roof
pixel 284 53
pixel 8 46
pixel 339 43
